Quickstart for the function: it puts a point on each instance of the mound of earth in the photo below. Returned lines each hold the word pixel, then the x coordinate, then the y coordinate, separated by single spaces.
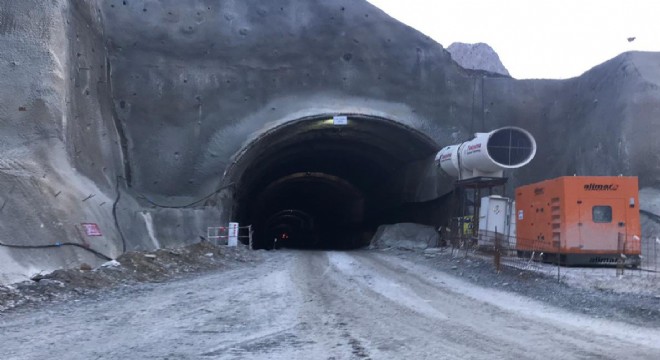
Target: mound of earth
pixel 408 236
pixel 131 267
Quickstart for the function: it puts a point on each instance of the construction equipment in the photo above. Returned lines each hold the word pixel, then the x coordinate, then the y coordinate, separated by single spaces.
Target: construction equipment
pixel 488 154
pixel 580 220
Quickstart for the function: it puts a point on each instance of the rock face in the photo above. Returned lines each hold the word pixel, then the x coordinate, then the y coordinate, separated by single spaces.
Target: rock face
pixel 59 153
pixel 148 118
pixel 477 56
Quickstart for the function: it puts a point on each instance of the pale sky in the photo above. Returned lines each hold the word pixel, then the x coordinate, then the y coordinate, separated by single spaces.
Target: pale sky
pixel 553 39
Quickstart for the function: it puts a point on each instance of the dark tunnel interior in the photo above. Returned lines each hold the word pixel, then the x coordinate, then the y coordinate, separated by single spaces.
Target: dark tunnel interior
pixel 312 184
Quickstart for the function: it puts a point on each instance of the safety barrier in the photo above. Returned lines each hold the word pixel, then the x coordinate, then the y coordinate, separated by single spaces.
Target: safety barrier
pixel 632 255
pixel 221 235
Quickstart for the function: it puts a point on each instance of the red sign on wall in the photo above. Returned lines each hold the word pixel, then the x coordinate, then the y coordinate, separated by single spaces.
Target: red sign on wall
pixel 91 229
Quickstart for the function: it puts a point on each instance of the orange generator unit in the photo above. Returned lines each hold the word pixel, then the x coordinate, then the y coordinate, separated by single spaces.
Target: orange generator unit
pixel 580 220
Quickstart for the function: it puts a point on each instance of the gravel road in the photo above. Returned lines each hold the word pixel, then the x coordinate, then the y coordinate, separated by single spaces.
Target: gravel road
pixel 318 305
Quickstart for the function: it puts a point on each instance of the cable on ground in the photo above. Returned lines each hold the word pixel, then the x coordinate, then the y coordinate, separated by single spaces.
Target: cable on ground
pixel 56 245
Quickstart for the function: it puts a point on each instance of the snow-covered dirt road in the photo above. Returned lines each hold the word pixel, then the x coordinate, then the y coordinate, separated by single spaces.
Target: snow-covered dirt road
pixel 317 305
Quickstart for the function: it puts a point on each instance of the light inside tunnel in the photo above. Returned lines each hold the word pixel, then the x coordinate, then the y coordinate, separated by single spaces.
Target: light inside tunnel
pixel 311 184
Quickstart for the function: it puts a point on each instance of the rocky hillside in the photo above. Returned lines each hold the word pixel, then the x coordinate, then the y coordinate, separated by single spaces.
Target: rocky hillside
pixel 477 56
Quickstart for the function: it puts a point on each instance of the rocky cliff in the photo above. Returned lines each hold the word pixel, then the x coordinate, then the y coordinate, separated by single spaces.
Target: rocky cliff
pixel 477 56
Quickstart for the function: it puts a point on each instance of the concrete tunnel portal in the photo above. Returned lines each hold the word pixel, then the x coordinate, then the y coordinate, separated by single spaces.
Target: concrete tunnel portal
pixel 312 184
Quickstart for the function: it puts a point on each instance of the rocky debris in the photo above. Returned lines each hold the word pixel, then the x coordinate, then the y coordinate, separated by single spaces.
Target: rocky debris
pixel 111 263
pixel 629 307
pixel 130 268
pixel 408 236
pixel 432 252
pixel 477 56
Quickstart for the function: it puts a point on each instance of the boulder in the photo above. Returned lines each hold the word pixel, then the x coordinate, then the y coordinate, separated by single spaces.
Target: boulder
pixel 477 56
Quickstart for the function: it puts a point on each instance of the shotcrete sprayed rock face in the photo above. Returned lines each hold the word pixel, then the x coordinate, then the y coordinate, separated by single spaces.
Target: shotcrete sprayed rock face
pixel 194 81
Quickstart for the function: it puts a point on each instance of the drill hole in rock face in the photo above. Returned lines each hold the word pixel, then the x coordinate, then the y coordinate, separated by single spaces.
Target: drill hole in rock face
pixel 316 185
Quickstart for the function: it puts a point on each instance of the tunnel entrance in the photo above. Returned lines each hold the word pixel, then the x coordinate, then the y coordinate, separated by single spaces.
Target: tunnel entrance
pixel 314 184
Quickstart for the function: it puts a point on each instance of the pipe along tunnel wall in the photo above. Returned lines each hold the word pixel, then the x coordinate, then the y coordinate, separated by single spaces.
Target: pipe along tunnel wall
pixel 141 116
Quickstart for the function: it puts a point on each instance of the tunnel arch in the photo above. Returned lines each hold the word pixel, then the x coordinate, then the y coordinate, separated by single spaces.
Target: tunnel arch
pixel 310 183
